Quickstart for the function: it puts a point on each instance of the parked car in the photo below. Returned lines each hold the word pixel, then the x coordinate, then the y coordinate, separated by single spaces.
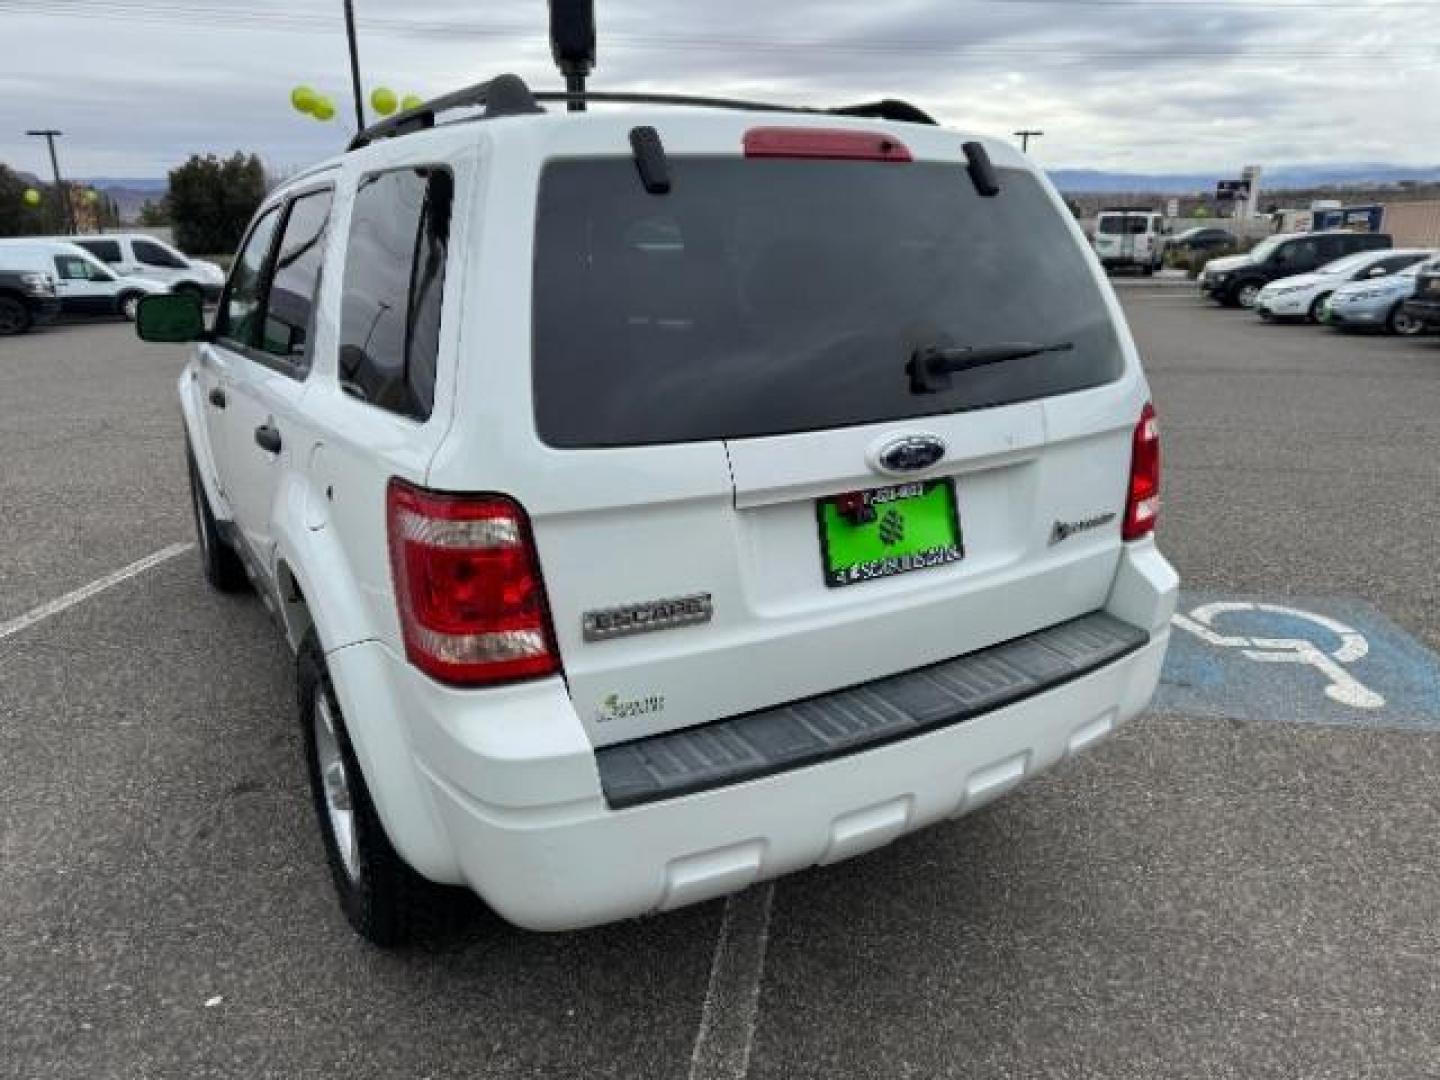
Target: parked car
pixel 1377 304
pixel 138 255
pixel 1303 296
pixel 641 603
pixel 1201 238
pixel 1424 304
pixel 83 285
pixel 1236 280
pixel 1130 237
pixel 27 296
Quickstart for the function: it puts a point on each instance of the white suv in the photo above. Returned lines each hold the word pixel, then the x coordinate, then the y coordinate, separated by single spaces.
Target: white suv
pixel 663 501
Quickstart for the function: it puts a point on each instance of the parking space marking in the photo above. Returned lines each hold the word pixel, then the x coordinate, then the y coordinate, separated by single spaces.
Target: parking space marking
pixel 1247 658
pixel 732 997
pixel 85 592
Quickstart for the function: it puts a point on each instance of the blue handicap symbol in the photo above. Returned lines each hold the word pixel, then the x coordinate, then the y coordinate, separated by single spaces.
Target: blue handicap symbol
pixel 1328 660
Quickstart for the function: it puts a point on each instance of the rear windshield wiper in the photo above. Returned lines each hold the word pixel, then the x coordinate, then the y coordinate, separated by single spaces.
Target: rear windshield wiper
pixel 930 368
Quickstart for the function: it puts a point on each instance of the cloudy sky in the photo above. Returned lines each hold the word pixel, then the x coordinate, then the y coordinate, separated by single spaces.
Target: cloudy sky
pixel 1130 85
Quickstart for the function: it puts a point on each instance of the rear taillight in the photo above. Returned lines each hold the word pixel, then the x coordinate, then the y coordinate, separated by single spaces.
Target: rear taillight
pixel 1142 508
pixel 467 582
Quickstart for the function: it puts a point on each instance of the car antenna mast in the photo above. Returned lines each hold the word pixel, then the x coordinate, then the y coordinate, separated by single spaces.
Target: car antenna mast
pixel 572 43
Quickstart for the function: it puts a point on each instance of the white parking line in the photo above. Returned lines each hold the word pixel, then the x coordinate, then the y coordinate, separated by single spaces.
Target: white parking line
pixel 732 999
pixel 99 585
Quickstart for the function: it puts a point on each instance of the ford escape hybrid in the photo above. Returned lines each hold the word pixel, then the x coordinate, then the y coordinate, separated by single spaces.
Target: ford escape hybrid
pixel 663 499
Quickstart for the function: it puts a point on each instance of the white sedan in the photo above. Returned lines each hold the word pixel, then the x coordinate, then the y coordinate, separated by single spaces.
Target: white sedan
pixel 1303 296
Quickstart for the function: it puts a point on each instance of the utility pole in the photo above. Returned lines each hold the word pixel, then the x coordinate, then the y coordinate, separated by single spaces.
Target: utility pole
pixel 50 135
pixel 1025 137
pixel 354 66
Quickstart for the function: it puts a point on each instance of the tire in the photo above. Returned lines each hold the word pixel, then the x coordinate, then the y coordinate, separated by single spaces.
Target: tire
pixel 1242 294
pixel 384 900
pixel 1403 324
pixel 221 566
pixel 129 305
pixel 1147 270
pixel 14 316
pixel 1316 306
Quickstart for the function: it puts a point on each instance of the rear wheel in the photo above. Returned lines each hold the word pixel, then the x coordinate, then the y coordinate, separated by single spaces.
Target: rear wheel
pixel 187 289
pixel 1317 306
pixel 130 305
pixel 218 561
pixel 14 316
pixel 386 902
pixel 1401 323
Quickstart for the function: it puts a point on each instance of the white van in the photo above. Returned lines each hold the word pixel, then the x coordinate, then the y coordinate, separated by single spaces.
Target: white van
pixel 84 285
pixel 138 255
pixel 1130 236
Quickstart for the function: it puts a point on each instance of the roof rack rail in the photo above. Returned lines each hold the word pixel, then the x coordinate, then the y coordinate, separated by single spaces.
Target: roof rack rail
pixel 507 95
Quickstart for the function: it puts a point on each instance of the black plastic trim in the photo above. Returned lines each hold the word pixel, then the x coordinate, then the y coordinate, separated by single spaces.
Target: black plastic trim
pixel 863 717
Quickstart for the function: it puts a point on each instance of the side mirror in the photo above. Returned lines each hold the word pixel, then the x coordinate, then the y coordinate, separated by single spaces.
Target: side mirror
pixel 170 318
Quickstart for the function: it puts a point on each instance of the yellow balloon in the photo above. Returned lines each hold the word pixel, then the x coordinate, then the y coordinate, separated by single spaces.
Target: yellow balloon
pixel 411 101
pixel 323 110
pixel 383 100
pixel 92 196
pixel 304 99
pixel 32 197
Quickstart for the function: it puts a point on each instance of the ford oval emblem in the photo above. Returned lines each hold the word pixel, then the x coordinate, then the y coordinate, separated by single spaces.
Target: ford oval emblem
pixel 911 453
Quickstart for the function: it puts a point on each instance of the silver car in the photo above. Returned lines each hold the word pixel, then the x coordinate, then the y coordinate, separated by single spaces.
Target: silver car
pixel 1377 303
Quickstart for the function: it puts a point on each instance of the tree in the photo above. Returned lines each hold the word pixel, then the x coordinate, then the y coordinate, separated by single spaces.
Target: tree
pixel 211 201
pixel 16 217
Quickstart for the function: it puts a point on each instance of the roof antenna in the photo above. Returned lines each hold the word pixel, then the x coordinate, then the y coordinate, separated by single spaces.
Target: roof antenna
pixel 572 43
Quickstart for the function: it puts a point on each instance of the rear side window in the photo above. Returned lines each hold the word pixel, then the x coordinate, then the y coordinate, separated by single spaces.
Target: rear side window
pixel 152 254
pixel 394 286
pixel 296 278
pixel 104 250
pixel 768 296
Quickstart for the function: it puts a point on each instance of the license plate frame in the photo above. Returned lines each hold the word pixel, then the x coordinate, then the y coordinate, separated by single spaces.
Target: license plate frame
pixel 854 553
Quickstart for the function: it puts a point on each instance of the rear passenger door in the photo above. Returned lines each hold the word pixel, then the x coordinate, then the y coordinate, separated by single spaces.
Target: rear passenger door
pixel 268 375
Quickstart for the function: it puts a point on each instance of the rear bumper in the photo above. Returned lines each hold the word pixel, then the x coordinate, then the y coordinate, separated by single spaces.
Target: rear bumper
pixel 517 800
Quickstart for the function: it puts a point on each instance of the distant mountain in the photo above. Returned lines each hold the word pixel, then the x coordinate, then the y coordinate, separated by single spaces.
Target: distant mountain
pixel 1088 181
pixel 129 183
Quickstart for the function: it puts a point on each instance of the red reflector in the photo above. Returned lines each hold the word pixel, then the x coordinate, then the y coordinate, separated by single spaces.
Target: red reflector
pixel 1142 506
pixel 793 142
pixel 471 602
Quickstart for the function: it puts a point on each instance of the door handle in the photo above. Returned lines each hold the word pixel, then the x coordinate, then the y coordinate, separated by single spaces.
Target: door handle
pixel 217 398
pixel 267 437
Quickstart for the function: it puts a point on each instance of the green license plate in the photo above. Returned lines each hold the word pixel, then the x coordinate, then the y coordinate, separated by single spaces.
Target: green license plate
pixel 892 531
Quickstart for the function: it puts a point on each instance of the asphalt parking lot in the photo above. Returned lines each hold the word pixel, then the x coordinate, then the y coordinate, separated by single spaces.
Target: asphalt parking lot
pixel 1241 884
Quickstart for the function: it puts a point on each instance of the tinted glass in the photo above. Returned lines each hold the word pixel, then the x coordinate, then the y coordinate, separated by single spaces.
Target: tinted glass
pixel 394 284
pixel 240 310
pixel 152 254
pixel 104 250
pixel 1134 225
pixel 296 278
pixel 770 296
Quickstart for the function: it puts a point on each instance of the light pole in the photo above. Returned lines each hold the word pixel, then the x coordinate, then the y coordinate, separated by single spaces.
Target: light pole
pixel 50 134
pixel 1025 137
pixel 354 66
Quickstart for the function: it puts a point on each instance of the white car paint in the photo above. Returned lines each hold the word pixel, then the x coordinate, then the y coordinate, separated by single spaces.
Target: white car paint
pixel 1297 296
pixel 1130 238
pixel 498 788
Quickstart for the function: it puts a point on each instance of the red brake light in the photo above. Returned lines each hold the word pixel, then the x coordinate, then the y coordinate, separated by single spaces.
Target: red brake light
pixel 792 142
pixel 472 605
pixel 1142 507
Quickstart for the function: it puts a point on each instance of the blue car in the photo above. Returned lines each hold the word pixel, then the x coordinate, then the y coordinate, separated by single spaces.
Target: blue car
pixel 1378 303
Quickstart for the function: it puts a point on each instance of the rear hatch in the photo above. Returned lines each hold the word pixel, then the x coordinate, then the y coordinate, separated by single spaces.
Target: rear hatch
pixel 745 500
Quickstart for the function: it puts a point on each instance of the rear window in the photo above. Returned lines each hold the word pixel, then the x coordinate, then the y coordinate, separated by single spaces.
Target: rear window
pixel 1126 225
pixel 764 297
